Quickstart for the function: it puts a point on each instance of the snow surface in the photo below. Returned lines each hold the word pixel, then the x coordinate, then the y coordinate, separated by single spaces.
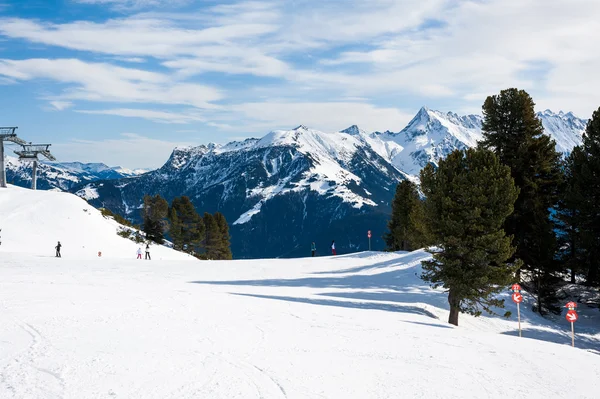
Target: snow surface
pixel 32 222
pixel 355 326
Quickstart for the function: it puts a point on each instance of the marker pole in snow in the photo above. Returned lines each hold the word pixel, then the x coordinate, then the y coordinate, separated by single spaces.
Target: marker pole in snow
pixel 369 235
pixel 517 298
pixel 519 316
pixel 572 318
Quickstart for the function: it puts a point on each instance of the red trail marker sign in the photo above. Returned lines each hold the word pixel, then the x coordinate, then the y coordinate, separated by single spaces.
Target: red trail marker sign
pixel 572 317
pixel 517 297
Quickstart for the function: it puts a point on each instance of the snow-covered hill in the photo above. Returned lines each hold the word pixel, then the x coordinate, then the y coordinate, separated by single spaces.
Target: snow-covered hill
pixel 357 326
pixel 63 175
pixel 34 221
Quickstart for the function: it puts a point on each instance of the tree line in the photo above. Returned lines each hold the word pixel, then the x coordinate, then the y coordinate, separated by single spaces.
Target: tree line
pixel 206 237
pixel 513 209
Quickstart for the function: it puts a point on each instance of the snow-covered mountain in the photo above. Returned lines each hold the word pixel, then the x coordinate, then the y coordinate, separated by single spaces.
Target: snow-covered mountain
pixel 279 192
pixel 566 129
pixel 432 135
pixel 292 187
pixel 63 175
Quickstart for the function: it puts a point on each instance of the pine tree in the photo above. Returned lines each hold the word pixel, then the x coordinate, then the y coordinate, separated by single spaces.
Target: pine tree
pixel 512 130
pixel 189 230
pixel 568 216
pixel 224 245
pixel 212 237
pixel 402 229
pixel 584 198
pixel 467 200
pixel 154 214
pixel 175 229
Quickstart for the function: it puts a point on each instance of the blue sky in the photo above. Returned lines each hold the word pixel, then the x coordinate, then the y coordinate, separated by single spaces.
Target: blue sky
pixel 124 81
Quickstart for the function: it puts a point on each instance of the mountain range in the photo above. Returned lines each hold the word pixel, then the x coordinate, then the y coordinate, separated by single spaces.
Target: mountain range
pixel 291 187
pixel 63 176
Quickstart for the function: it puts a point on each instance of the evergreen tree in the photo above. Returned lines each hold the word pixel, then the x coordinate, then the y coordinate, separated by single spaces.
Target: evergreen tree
pixel 188 230
pixel 154 214
pixel 568 216
pixel 584 198
pixel 175 229
pixel 212 237
pixel 401 227
pixel 224 245
pixel 467 200
pixel 512 130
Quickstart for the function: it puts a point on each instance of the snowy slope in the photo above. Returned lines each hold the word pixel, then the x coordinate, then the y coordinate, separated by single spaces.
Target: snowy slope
pixel 33 221
pixel 358 326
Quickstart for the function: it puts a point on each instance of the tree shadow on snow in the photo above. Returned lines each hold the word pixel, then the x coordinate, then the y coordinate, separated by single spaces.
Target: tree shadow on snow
pixel 558 337
pixel 387 280
pixel 353 305
pixel 408 259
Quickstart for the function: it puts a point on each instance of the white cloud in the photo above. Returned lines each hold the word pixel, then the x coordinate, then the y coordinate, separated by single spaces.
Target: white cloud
pixel 153 115
pixel 61 105
pixel 318 53
pixel 133 4
pixel 129 150
pixel 327 116
pixel 109 83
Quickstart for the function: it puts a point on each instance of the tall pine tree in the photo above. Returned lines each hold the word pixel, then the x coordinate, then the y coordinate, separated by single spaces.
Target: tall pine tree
pixel 404 234
pixel 212 237
pixel 154 214
pixel 187 226
pixel 512 130
pixel 224 246
pixel 467 200
pixel 583 199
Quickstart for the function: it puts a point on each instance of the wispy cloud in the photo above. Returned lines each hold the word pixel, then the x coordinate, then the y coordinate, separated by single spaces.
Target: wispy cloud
pixel 61 105
pixel 109 83
pixel 251 66
pixel 133 4
pixel 128 150
pixel 153 115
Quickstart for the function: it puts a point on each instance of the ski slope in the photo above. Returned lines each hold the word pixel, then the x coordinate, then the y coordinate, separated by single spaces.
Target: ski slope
pixel 32 222
pixel 354 326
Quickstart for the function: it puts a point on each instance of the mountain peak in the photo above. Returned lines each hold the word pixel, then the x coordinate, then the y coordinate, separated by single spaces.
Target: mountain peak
pixel 300 127
pixel 352 130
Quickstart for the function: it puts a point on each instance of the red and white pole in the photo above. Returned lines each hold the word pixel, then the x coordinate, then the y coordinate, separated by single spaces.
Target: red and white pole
pixel 517 298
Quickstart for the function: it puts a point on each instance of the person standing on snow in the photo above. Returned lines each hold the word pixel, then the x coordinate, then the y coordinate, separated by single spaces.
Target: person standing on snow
pixel 333 247
pixel 148 252
pixel 58 250
pixel 313 249
pixel 139 253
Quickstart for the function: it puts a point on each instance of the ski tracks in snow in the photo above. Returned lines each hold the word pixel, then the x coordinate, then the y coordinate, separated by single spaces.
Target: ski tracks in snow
pixel 24 374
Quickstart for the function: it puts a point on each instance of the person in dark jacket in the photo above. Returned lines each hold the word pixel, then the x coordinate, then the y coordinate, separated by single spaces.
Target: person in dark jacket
pixel 313 249
pixel 58 246
pixel 148 251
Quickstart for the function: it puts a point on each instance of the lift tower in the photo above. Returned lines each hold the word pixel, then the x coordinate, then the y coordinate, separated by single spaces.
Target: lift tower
pixel 30 153
pixel 7 134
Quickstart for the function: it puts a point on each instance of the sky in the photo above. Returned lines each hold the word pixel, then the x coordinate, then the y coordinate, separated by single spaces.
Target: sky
pixel 125 81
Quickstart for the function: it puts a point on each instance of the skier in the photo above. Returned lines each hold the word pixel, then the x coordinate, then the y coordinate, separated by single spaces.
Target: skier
pixel 58 250
pixel 333 247
pixel 148 252
pixel 139 253
pixel 313 249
